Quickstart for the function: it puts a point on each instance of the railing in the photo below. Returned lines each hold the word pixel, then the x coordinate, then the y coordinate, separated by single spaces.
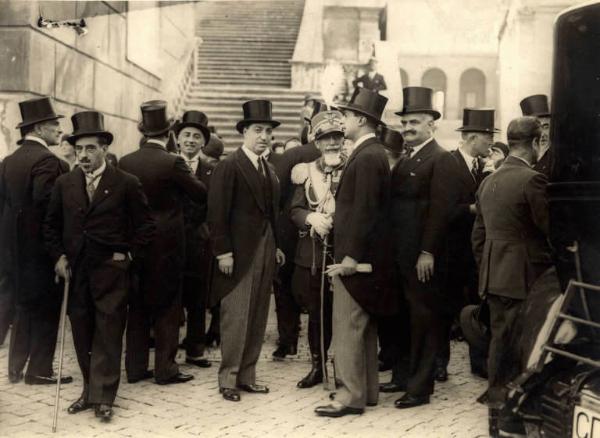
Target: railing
pixel 181 87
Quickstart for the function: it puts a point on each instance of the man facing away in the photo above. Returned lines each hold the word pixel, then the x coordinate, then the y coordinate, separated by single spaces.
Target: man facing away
pixel 98 219
pixel 242 212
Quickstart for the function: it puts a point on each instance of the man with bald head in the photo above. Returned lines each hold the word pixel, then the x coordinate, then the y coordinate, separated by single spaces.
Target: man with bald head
pixel 510 242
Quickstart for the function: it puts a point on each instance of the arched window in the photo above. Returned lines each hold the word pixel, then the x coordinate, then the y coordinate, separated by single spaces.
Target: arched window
pixel 472 89
pixel 404 77
pixel 435 79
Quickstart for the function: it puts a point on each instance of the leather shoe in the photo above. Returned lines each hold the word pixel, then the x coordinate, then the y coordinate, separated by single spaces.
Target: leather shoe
pixel 230 394
pixel 148 374
pixel 410 401
pixel 337 410
pixel 104 412
pixel 14 377
pixel 44 380
pixel 392 387
pixel 177 378
pixel 284 350
pixel 79 405
pixel 256 389
pixel 441 374
pixel 202 363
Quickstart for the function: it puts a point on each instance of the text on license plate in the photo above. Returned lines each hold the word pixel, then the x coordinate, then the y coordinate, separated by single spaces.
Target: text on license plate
pixel 586 423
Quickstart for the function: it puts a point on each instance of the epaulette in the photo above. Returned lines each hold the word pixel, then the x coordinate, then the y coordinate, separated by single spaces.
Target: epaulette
pixel 299 173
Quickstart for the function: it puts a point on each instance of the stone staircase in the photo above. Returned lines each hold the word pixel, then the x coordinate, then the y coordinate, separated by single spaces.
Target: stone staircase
pixel 244 54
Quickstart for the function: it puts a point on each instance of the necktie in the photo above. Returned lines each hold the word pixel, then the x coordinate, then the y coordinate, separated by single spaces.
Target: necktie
pixel 408 150
pixel 90 188
pixel 475 169
pixel 262 167
pixel 190 164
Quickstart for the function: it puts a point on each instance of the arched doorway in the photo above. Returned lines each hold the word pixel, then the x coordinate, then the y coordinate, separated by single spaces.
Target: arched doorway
pixel 435 79
pixel 472 89
pixel 404 77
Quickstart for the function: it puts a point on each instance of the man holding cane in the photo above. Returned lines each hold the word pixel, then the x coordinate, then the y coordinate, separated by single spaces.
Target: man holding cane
pixel 360 224
pixel 98 219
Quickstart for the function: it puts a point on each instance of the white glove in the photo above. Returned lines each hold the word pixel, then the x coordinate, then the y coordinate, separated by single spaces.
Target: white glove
pixel 320 222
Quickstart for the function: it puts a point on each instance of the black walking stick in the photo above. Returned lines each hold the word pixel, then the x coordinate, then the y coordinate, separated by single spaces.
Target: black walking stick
pixel 328 382
pixel 63 318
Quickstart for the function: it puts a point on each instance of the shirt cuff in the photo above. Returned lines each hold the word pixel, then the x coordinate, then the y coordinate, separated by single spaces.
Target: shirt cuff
pixel 224 256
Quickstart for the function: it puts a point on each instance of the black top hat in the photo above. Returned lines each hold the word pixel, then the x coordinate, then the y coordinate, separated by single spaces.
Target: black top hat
pixel 196 119
pixel 366 102
pixel 418 100
pixel 87 123
pixel 154 118
pixel 391 139
pixel 256 111
pixel 536 106
pixel 478 120
pixel 36 111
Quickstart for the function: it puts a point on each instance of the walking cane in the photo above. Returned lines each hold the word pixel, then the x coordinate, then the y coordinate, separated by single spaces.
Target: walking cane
pixel 63 318
pixel 327 384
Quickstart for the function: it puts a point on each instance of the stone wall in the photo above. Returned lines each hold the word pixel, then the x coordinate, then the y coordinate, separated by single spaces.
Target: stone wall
pixel 95 71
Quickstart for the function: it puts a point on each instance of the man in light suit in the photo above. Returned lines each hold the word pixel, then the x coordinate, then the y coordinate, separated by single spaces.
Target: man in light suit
pixel 510 242
pixel 242 212
pixel 360 236
pixel 98 219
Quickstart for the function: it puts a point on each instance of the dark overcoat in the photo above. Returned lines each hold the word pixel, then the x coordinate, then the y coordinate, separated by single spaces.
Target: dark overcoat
pixel 239 211
pixel 543 165
pixel 510 233
pixel 26 180
pixel 116 220
pixel 166 180
pixel 361 227
pixel 420 200
pixel 375 84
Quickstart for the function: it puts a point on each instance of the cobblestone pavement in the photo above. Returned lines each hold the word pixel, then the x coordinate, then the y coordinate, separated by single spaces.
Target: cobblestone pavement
pixel 196 409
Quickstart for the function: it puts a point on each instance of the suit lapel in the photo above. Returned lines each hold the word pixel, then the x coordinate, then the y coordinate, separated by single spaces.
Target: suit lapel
pixel 422 156
pixel 353 155
pixel 78 187
pixel 252 177
pixel 465 174
pixel 104 189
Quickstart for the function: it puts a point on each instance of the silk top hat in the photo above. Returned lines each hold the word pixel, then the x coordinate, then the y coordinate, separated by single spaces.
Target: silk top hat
pixel 478 120
pixel 366 102
pixel 391 139
pixel 36 111
pixel 88 123
pixel 195 119
pixel 327 122
pixel 154 118
pixel 418 100
pixel 214 148
pixel 536 106
pixel 256 111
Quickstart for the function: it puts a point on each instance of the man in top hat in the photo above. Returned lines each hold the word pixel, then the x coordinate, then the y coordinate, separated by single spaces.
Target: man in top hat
pixel 98 219
pixel 360 228
pixel 192 136
pixel 537 106
pixel 243 205
pixel 312 209
pixel 288 310
pixel 510 243
pixel 26 180
pixel 371 80
pixel 419 221
pixel 156 302
pixel 460 284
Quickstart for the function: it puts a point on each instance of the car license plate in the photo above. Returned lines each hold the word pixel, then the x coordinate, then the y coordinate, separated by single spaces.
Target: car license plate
pixel 586 423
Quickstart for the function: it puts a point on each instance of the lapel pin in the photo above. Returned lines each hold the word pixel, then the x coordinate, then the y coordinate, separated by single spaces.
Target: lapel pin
pixel 413 174
pixel 105 191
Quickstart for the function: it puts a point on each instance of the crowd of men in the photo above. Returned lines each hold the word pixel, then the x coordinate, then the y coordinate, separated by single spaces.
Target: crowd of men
pixel 383 237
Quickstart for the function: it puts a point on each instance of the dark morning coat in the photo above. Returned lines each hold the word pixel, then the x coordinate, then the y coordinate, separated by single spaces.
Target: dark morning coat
pixel 361 227
pixel 26 180
pixel 116 220
pixel 510 232
pixel 419 205
pixel 238 213
pixel 543 164
pixel 375 84
pixel 166 180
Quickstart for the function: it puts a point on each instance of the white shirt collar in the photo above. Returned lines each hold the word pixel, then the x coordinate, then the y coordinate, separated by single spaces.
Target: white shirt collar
pixel 362 139
pixel 194 158
pixel 96 174
pixel 252 156
pixel 36 138
pixel 468 159
pixel 163 144
pixel 418 147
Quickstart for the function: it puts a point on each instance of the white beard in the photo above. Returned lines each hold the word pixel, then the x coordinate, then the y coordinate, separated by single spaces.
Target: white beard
pixel 332 159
